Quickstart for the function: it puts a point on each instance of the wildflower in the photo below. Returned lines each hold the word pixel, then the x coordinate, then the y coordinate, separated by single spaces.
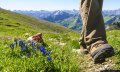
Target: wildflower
pixel 28 54
pixel 42 49
pixel 49 58
pixel 44 52
pixel 24 48
pixel 32 44
pixel 12 46
pixel 21 43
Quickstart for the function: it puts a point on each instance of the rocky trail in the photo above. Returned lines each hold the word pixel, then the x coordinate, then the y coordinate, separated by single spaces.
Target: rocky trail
pixel 87 65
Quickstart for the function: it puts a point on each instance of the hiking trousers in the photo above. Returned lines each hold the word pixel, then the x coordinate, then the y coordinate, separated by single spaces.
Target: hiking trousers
pixel 93 29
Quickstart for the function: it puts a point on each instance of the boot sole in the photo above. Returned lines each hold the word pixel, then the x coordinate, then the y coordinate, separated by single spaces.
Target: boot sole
pixel 101 54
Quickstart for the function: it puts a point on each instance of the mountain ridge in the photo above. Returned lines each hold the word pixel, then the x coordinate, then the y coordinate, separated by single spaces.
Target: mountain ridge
pixel 70 18
pixel 11 19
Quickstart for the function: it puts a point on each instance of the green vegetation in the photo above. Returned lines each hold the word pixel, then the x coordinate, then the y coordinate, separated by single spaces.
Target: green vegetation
pixel 19 22
pixel 60 41
pixel 107 18
pixel 115 25
pixel 72 23
pixel 114 40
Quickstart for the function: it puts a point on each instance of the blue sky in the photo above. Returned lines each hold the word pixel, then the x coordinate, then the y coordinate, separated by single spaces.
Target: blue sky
pixel 52 4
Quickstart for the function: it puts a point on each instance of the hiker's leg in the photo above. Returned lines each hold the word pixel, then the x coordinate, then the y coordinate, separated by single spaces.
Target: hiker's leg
pixel 93 25
pixel 93 36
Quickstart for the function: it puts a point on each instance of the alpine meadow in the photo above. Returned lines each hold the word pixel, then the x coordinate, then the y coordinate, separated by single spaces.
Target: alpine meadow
pixel 60 43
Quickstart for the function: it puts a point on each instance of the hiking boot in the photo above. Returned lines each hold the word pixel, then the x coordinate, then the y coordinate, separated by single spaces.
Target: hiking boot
pixel 101 51
pixel 83 50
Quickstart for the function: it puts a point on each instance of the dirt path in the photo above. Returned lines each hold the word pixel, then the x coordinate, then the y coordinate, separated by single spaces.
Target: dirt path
pixel 87 64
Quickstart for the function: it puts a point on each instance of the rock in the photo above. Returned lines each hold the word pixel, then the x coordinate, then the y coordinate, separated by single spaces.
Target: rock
pixel 36 38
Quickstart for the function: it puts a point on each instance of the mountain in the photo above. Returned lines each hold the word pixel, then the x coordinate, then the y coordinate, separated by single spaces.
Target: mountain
pixel 70 18
pixel 11 21
pixel 67 18
pixel 115 25
pixel 111 19
pixel 111 12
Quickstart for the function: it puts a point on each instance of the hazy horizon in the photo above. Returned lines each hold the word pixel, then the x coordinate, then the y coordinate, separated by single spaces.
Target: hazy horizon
pixel 45 10
pixel 53 5
pixel 51 10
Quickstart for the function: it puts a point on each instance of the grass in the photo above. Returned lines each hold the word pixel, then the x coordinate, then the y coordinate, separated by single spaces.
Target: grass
pixel 22 21
pixel 60 41
pixel 60 60
pixel 107 18
pixel 114 40
pixel 63 59
pixel 72 23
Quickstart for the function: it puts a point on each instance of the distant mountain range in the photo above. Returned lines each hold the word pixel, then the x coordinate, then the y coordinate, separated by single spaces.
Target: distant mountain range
pixel 112 12
pixel 70 18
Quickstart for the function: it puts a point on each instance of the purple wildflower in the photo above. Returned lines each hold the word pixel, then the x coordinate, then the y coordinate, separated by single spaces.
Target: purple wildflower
pixel 21 43
pixel 42 49
pixel 32 44
pixel 49 58
pixel 23 48
pixel 12 46
pixel 28 54
pixel 44 52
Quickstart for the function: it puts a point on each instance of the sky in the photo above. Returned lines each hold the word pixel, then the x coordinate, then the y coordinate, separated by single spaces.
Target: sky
pixel 52 4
